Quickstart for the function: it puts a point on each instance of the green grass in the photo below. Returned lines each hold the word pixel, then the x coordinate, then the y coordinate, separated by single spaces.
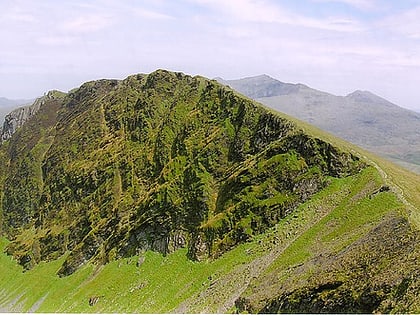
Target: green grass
pixel 357 212
pixel 160 284
pixel 26 288
pixel 331 220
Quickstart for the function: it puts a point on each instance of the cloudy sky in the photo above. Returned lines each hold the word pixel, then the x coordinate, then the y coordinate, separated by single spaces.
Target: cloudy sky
pixel 336 46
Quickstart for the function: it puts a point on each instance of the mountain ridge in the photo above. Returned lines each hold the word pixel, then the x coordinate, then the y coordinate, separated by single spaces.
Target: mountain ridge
pixel 17 117
pixel 68 146
pixel 263 86
pixel 124 192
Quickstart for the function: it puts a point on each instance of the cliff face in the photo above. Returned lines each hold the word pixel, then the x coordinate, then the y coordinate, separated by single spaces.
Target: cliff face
pixel 157 161
pixel 7 106
pixel 19 116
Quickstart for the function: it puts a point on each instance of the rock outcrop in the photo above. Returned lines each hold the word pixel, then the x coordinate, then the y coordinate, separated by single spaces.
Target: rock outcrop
pixel 17 118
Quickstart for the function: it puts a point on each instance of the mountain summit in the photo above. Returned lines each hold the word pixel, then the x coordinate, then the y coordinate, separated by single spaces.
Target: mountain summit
pixel 367 97
pixel 164 192
pixel 262 86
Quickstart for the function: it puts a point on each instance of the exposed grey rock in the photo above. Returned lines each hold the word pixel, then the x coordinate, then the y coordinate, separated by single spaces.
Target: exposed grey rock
pixel 7 105
pixel 15 119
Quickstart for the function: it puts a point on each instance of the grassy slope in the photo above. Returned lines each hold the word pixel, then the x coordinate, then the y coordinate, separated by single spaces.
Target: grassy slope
pixel 210 286
pixel 403 182
pixel 335 217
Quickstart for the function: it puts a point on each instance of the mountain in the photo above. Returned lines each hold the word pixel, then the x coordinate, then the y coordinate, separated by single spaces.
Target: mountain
pixel 7 105
pixel 262 86
pixel 4 102
pixel 169 193
pixel 360 117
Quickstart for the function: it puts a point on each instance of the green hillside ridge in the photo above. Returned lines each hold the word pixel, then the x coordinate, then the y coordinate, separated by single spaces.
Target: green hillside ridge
pixel 170 193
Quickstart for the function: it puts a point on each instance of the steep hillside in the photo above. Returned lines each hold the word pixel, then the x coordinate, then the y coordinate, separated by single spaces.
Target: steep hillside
pixel 18 117
pixel 7 105
pixel 121 194
pixel 360 117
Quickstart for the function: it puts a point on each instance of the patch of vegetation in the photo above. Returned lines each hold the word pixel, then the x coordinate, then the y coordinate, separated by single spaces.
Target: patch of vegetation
pixel 333 251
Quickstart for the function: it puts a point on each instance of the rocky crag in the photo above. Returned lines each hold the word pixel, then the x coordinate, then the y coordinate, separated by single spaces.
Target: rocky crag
pixel 8 105
pixel 17 118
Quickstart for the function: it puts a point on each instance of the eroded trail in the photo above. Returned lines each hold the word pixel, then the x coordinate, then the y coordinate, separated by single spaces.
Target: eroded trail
pixel 399 192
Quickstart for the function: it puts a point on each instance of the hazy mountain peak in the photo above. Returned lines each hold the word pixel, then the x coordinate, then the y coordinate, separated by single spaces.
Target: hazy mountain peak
pixel 261 77
pixel 9 102
pixel 262 86
pixel 365 97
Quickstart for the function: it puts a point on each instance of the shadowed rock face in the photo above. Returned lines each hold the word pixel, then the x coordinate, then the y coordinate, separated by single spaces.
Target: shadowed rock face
pixel 158 162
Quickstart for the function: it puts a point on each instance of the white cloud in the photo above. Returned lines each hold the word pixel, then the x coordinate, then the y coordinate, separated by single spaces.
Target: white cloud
pixel 337 24
pixel 56 40
pixel 69 42
pixel 149 14
pixel 87 24
pixel 261 11
pixel 21 17
pixel 359 4
pixel 406 23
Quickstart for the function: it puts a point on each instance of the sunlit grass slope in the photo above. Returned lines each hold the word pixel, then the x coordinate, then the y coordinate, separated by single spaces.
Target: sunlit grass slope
pixel 332 220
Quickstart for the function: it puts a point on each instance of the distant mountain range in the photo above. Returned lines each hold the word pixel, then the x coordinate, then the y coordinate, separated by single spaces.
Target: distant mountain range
pixel 361 117
pixel 7 102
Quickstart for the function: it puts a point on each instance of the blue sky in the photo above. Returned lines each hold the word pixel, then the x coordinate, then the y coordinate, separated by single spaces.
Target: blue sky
pixel 336 46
